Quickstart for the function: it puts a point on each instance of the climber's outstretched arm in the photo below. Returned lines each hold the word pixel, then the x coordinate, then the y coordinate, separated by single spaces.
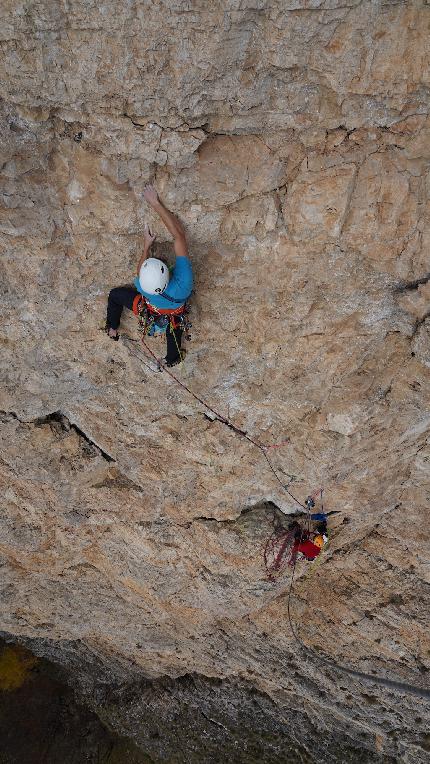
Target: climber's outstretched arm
pixel 173 225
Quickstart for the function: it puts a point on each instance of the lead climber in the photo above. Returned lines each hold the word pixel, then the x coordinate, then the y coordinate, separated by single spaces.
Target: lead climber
pixel 157 297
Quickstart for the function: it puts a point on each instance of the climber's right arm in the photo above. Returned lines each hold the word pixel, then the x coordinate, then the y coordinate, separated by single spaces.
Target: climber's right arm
pixel 173 225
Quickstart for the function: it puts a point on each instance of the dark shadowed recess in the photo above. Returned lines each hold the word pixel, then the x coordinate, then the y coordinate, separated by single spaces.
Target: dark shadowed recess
pixel 193 719
pixel 41 722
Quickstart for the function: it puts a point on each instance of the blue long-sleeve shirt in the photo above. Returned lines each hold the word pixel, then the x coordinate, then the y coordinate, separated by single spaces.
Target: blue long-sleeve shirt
pixel 179 287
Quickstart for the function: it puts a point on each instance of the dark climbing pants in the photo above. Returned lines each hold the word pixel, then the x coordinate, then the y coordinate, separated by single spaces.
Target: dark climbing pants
pixel 122 297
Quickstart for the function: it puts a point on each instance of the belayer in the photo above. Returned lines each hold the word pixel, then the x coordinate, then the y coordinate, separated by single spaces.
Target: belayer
pixel 157 297
pixel 284 545
pixel 306 542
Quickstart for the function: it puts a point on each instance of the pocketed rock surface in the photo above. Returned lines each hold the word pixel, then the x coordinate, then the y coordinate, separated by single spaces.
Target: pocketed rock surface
pixel 293 141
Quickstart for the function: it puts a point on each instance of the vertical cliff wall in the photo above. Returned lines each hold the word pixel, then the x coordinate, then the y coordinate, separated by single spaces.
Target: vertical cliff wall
pixel 292 139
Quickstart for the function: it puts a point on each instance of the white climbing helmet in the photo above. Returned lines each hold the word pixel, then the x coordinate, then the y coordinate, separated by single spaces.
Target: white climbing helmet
pixel 153 276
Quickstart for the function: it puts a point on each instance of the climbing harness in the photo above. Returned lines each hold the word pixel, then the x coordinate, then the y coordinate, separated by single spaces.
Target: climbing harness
pixel 154 321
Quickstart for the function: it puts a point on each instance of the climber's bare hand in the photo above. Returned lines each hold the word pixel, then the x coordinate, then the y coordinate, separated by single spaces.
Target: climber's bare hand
pixel 150 195
pixel 148 236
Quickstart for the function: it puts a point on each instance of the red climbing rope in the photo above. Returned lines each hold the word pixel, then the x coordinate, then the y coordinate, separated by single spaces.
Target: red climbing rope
pixel 242 433
pixel 275 555
pixel 278 445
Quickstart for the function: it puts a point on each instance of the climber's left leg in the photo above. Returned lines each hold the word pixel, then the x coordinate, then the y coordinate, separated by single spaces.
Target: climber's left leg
pixel 174 352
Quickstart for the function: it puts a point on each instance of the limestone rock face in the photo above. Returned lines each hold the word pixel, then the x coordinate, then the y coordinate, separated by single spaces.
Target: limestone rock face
pixel 293 141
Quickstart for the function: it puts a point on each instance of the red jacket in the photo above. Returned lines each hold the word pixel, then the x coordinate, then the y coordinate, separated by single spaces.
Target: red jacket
pixel 307 548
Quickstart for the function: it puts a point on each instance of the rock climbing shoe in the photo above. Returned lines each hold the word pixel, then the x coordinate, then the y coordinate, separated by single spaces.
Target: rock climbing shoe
pixel 107 328
pixel 177 360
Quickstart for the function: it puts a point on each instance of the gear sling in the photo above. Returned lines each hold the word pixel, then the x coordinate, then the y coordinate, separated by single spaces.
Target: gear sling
pixel 154 321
